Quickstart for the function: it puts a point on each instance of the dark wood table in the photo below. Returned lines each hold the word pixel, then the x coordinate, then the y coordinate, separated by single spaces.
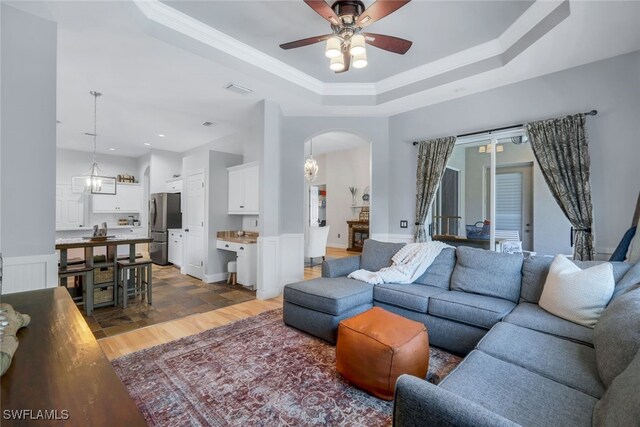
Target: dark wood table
pixel 462 241
pixel 60 366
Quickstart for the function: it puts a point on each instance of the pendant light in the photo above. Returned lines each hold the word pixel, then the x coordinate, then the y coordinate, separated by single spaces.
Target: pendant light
pixel 94 180
pixel 310 166
pixel 357 45
pixel 337 63
pixel 360 60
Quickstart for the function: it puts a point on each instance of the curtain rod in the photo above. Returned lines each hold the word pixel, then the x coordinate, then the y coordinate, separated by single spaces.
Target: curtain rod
pixel 489 131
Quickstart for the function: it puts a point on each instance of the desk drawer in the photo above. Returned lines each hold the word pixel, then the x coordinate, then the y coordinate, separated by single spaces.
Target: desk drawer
pixel 228 246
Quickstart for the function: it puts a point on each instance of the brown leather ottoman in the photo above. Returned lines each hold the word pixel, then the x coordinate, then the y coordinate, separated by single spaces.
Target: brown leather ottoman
pixel 376 347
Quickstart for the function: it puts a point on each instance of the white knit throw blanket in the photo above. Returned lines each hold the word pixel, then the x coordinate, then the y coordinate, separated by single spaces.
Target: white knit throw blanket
pixel 409 263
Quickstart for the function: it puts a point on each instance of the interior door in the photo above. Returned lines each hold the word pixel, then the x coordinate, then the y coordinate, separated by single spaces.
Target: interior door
pixel 194 231
pixel 514 201
pixel 313 206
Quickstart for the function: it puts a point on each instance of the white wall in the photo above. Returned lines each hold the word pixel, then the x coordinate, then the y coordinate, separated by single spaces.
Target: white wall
pixel 72 163
pixel 344 169
pixel 163 165
pixel 28 80
pixel 28 145
pixel 611 86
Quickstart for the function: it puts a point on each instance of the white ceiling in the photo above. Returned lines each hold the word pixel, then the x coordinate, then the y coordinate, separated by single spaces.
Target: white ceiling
pixel 157 80
pixel 437 29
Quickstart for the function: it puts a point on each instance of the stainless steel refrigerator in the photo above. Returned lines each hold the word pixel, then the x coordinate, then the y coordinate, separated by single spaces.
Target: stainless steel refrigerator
pixel 164 213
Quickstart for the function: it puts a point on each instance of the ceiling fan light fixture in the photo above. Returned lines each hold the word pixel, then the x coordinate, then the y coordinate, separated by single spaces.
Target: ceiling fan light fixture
pixel 360 61
pixel 357 45
pixel 337 63
pixel 333 47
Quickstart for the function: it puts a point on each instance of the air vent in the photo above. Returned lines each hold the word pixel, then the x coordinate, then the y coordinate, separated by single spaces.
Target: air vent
pixel 238 89
pixel 207 124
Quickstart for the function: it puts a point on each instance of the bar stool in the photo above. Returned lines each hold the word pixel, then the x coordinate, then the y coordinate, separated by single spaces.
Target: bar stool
pixel 79 271
pixel 139 281
pixel 232 268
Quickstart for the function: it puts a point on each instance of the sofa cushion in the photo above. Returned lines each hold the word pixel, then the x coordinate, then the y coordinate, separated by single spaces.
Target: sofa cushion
pixel 629 282
pixel 377 255
pixel 332 296
pixel 488 273
pixel 536 268
pixel 439 272
pixel 412 297
pixel 515 393
pixel 561 360
pixel 577 295
pixel 616 336
pixel 619 405
pixel 472 309
pixel 531 316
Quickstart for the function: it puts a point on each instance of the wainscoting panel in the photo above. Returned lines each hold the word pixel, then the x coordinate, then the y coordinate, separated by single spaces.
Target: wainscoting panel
pixel 28 273
pixel 268 267
pixel 291 258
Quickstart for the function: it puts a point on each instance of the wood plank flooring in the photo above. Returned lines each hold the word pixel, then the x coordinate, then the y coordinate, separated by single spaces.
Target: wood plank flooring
pixel 139 339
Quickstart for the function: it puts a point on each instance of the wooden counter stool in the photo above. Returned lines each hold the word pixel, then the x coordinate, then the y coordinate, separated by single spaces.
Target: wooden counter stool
pixel 137 282
pixel 79 271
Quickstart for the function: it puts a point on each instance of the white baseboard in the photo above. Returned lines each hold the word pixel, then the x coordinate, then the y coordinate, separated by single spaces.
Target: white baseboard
pixel 28 273
pixel 337 245
pixel 394 238
pixel 213 278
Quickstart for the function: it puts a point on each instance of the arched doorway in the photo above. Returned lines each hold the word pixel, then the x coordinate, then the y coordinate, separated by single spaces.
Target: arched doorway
pixel 337 203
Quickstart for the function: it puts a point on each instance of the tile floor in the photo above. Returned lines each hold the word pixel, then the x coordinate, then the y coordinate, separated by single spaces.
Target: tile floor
pixel 174 296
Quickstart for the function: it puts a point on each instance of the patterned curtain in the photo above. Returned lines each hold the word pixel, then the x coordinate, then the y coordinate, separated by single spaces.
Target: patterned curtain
pixel 562 151
pixel 433 156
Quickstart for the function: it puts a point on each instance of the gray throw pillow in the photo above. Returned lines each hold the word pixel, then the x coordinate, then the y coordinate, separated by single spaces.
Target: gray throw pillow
pixel 377 255
pixel 488 273
pixel 616 336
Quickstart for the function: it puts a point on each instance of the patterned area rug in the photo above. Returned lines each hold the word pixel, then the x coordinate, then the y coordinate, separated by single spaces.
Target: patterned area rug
pixel 254 372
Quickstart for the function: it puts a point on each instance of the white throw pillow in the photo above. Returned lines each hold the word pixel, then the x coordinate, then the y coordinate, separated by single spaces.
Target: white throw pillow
pixel 577 295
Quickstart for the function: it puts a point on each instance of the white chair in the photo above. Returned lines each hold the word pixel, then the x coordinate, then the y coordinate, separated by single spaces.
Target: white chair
pixel 232 268
pixel 316 243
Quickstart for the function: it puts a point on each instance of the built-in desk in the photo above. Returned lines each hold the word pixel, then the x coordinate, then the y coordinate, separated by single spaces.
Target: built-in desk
pixel 59 366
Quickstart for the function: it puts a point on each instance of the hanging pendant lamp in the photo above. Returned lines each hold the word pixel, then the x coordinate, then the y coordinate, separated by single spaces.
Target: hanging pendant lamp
pixel 310 166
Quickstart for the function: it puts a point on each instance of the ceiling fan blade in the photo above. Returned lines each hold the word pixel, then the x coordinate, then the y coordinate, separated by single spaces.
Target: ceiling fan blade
pixel 379 10
pixel 390 43
pixel 305 42
pixel 346 57
pixel 324 10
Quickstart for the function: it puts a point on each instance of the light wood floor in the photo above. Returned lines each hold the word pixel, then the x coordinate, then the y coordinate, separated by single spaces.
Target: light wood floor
pixel 129 342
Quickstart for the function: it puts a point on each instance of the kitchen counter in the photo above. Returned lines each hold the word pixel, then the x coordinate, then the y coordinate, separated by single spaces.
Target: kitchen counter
pixel 232 236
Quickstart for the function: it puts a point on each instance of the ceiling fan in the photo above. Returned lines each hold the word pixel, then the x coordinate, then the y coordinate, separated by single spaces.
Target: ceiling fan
pixel 348 41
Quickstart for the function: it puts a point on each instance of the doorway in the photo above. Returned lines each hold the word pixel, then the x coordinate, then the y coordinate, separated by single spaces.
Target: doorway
pixel 514 202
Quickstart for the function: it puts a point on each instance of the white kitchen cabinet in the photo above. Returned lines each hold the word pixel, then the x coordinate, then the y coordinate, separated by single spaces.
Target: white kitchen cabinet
pixel 244 189
pixel 69 208
pixel 128 199
pixel 174 185
pixel 176 247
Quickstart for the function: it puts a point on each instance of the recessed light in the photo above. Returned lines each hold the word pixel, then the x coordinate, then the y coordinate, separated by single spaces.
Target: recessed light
pixel 147 144
pixel 112 149
pixel 161 135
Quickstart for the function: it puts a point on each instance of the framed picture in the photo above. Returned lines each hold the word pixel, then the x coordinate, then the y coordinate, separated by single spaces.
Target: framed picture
pixel 103 185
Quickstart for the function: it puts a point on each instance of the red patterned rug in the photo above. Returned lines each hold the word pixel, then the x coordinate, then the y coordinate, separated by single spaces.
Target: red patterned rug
pixel 254 372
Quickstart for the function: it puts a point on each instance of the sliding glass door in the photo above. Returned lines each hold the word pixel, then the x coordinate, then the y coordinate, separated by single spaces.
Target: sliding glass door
pixel 489 195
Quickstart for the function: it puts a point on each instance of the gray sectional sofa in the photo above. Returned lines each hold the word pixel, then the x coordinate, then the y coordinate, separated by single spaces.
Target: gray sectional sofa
pixel 523 365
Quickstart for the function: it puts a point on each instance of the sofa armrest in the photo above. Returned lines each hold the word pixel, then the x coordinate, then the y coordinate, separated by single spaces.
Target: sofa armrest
pixel 341 266
pixel 420 403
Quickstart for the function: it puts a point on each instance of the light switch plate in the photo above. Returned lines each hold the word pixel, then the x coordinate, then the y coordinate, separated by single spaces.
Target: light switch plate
pixel 404 224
